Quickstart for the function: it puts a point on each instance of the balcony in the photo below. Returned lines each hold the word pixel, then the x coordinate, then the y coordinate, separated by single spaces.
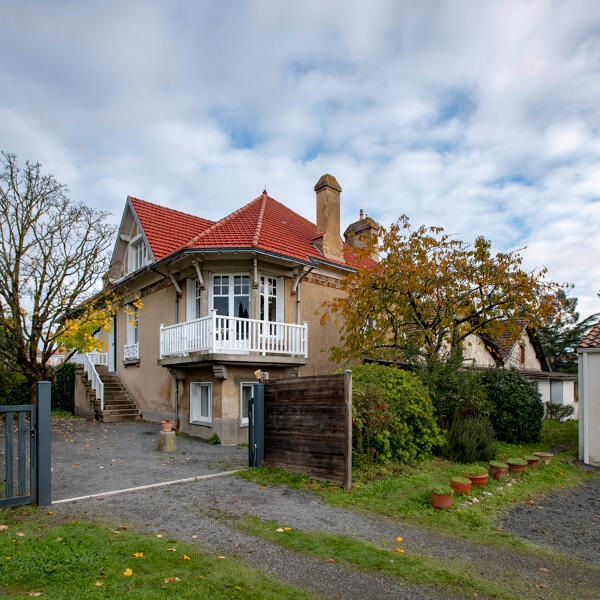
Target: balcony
pixel 216 335
pixel 131 352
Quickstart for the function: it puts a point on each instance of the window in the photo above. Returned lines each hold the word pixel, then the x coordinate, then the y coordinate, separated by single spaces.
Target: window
pixel 522 354
pixel 245 395
pixel 201 403
pixel 556 392
pixel 271 298
pixel 139 255
pixel 193 300
pixel 133 330
pixel 231 295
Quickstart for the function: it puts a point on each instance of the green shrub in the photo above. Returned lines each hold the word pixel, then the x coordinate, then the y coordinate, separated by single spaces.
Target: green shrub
pixel 214 440
pixel 13 388
pixel 392 415
pixel 516 406
pixel 559 412
pixel 454 389
pixel 470 440
pixel 443 490
pixel 63 390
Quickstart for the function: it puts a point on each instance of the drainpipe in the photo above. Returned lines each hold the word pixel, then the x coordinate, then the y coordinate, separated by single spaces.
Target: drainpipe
pixel 176 404
pixel 296 289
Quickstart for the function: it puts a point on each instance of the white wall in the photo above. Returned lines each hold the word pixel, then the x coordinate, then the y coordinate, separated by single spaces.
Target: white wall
pixel 531 360
pixel 589 407
pixel 475 353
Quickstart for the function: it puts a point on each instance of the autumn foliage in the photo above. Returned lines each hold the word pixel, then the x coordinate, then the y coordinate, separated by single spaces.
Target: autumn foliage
pixel 430 292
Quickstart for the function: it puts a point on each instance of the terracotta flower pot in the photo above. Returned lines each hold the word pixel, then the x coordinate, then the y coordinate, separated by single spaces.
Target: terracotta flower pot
pixel 461 487
pixel 440 501
pixel 545 457
pixel 533 462
pixel 167 425
pixel 517 467
pixel 478 480
pixel 498 472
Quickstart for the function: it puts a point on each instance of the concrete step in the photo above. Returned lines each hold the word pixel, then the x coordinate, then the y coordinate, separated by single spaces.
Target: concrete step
pixel 129 411
pixel 119 418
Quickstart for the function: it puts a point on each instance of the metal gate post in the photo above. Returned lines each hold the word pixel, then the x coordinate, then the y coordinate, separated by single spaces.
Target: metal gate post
pixel 256 417
pixel 43 462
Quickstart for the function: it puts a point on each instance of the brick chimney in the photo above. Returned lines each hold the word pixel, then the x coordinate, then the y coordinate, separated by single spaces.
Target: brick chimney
pixel 357 234
pixel 329 241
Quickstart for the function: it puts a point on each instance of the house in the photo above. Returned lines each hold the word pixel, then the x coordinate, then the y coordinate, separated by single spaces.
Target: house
pixel 588 353
pixel 522 351
pixel 221 300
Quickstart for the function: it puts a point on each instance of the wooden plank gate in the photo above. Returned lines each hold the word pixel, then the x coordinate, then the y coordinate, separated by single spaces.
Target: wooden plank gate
pixel 305 425
pixel 25 470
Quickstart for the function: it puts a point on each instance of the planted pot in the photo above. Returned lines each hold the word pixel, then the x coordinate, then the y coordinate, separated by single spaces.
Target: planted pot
pixel 498 469
pixel 532 461
pixel 167 425
pixel 441 497
pixel 516 465
pixel 478 480
pixel 545 457
pixel 461 485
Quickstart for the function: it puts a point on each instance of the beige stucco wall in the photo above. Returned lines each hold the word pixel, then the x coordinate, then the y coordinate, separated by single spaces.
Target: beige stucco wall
pixel 226 417
pixel 543 386
pixel 151 385
pixel 475 353
pixel 589 406
pixel 531 360
pixel 320 337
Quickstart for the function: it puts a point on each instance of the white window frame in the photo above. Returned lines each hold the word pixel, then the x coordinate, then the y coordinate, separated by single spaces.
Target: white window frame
pixel 133 326
pixel 244 419
pixel 263 286
pixel 135 245
pixel 193 300
pixel 231 290
pixel 202 420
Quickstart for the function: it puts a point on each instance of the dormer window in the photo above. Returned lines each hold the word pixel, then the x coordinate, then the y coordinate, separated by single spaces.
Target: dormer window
pixel 137 254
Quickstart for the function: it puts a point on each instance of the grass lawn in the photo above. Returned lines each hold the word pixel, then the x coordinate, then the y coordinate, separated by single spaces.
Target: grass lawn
pixel 402 491
pixel 41 555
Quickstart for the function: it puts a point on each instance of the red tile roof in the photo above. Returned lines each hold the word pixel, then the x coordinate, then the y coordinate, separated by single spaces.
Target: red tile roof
pixel 592 339
pixel 263 223
pixel 167 230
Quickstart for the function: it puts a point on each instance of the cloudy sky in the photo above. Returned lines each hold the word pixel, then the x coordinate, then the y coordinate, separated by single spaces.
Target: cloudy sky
pixel 482 117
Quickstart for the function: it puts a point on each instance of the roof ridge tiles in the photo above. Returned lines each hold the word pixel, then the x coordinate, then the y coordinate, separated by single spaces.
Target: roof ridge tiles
pixel 260 219
pixel 224 220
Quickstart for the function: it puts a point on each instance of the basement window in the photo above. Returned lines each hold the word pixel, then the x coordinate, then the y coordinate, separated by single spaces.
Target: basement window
pixel 201 403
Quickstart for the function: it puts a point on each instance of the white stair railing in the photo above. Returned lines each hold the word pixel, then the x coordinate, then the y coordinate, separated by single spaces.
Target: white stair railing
pixel 88 360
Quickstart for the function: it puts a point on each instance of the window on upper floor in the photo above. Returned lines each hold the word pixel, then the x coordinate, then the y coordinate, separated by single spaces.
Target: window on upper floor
pixel 139 255
pixel 231 295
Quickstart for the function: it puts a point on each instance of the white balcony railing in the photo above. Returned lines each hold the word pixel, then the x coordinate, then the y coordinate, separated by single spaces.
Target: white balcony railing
pixel 131 351
pixel 214 334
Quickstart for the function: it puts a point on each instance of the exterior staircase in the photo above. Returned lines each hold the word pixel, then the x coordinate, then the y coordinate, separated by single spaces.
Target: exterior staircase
pixel 119 406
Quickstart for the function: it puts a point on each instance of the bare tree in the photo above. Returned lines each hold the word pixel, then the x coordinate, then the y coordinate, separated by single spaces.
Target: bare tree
pixel 52 253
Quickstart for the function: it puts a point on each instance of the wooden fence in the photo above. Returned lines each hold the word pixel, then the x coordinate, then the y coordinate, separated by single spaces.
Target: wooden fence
pixel 308 426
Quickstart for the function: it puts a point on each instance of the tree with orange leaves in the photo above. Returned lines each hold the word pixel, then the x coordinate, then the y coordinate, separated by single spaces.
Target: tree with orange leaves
pixel 429 292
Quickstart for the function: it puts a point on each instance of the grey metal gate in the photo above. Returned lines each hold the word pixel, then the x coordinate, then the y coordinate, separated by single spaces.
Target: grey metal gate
pixel 256 421
pixel 25 470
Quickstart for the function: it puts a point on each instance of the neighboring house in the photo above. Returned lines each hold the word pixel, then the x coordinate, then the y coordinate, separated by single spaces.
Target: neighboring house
pixel 220 301
pixel 56 359
pixel 524 353
pixel 589 393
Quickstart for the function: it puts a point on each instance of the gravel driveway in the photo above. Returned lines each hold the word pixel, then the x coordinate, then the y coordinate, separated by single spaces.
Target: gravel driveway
pixel 568 520
pixel 89 457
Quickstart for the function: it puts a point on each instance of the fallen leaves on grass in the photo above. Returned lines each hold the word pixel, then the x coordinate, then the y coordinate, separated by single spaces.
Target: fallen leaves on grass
pixel 138 554
pixel 331 560
pixel 399 539
pixel 159 535
pixel 194 537
pixel 171 549
pixel 128 572
pixel 185 557
pixel 3 527
pixel 171 579
pixel 542 585
pixel 20 534
pixel 59 539
pixel 287 528
pixel 399 550
pixel 279 530
pixel 99 584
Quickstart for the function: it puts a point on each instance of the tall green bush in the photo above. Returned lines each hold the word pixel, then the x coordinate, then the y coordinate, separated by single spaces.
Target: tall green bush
pixel 392 415
pixel 63 390
pixel 517 408
pixel 470 440
pixel 454 389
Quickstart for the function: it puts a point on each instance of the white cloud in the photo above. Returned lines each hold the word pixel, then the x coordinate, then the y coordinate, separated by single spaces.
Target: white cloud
pixel 481 117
